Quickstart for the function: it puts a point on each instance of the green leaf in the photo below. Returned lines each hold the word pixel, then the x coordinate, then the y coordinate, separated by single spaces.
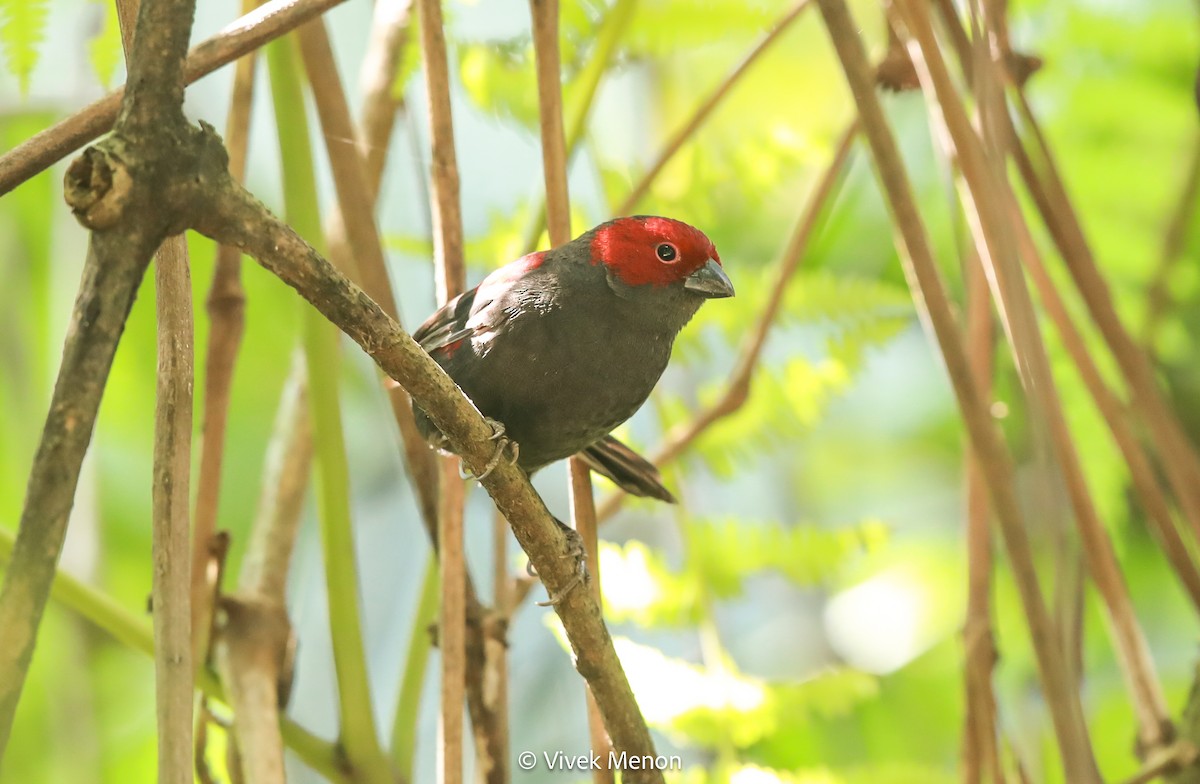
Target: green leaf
pixel 639 585
pixel 712 706
pixel 22 28
pixel 104 50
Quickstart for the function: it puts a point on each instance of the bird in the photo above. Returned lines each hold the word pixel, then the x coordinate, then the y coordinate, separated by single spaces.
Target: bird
pixel 560 347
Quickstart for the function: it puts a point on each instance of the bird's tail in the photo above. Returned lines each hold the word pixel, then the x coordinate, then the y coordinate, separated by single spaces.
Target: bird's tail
pixel 632 473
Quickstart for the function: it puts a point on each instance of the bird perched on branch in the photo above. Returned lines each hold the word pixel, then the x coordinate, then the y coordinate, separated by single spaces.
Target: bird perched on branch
pixel 561 346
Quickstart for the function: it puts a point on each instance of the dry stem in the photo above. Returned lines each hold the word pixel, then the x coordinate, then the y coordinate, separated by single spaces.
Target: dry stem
pixel 991 454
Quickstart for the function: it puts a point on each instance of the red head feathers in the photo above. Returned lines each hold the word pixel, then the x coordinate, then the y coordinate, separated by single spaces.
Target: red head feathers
pixel 650 250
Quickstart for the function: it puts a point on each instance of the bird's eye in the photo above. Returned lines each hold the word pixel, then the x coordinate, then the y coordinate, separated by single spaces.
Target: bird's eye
pixel 666 252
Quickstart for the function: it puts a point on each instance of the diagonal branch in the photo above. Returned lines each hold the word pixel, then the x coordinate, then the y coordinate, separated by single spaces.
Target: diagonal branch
pixel 991 454
pixel 986 198
pixel 229 214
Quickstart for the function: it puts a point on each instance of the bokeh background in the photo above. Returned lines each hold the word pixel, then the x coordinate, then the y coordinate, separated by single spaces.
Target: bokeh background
pixel 797 616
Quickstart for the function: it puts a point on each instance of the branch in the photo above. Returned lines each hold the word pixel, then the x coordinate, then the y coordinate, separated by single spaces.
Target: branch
pixel 127 187
pixel 737 391
pixel 931 300
pixel 226 305
pixel 987 199
pixel 229 214
pixel 172 473
pixel 243 36
pixel 558 220
pixel 449 280
pixel 170 598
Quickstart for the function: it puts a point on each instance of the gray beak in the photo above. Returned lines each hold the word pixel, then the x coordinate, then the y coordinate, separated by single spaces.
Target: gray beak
pixel 710 282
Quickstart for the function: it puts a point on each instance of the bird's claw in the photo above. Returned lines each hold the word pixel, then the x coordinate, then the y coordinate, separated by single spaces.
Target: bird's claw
pixel 503 445
pixel 577 552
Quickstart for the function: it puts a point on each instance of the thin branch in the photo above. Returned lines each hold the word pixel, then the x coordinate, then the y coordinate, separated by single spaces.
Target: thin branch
pixel 380 102
pixel 930 296
pixel 170 598
pixel 1178 458
pixel 243 36
pixel 985 200
pixel 1116 415
pixel 558 219
pixel 616 20
pixel 226 305
pixel 981 761
pixel 229 214
pixel 449 279
pixel 285 481
pixel 706 107
pixel 737 391
pixel 450 269
pixel 172 473
pixel 139 213
pixel 253 638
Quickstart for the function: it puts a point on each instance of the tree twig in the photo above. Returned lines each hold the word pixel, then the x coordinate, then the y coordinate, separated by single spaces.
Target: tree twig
pixel 170 597
pixel 544 15
pixel 986 195
pixel 243 36
pixel 229 214
pixel 993 458
pixel 449 279
pixel 226 305
pixel 138 213
pixel 172 472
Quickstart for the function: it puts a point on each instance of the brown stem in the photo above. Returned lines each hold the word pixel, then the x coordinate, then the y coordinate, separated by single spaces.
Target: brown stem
pixel 706 107
pixel 170 598
pixel 986 199
pixel 131 188
pixel 172 473
pixel 385 52
pixel 229 214
pixel 737 391
pixel 558 221
pixel 450 270
pixel 1178 457
pixel 285 481
pixel 243 36
pixel 226 305
pixel 981 761
pixel 450 277
pixel 1117 416
pixel 930 296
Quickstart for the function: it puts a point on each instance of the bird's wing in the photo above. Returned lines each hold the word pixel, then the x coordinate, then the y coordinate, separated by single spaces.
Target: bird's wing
pixel 475 312
pixel 448 324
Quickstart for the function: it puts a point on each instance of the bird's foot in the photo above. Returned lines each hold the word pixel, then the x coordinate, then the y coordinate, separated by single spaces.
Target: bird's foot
pixel 504 445
pixel 575 551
